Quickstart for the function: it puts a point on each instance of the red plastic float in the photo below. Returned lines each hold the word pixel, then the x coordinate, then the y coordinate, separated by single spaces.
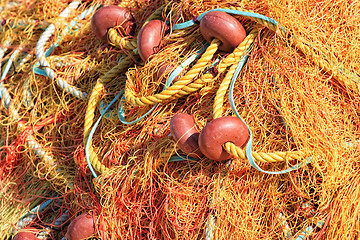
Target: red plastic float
pixel 27 234
pixel 224 27
pixel 219 131
pixel 109 17
pixel 183 130
pixel 149 38
pixel 82 227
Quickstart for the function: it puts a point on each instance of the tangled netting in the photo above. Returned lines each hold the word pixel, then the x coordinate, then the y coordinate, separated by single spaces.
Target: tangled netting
pixel 85 125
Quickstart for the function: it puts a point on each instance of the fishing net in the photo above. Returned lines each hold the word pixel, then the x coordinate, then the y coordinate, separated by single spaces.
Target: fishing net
pixel 85 125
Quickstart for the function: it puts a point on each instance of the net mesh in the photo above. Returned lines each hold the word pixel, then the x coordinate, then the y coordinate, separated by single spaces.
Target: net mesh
pixel 297 92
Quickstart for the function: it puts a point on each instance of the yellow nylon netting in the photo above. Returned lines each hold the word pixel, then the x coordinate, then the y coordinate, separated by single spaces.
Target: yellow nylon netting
pixel 298 93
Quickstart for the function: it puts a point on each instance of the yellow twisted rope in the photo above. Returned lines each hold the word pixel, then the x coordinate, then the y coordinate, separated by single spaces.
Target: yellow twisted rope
pixel 237 152
pixel 226 62
pixel 130 43
pixel 221 92
pixel 92 103
pixel 127 43
pixel 230 147
pixel 171 91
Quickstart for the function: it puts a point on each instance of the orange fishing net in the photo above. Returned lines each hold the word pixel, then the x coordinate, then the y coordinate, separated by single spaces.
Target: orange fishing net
pixel 62 155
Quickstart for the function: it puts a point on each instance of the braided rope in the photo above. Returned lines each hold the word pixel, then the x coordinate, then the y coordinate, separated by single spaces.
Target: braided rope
pixel 237 152
pixel 40 51
pixel 221 92
pixel 172 91
pixel 65 182
pixel 4 94
pixel 92 104
pixel 225 63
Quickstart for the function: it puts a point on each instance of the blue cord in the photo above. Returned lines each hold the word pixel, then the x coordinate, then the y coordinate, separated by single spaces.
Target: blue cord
pixel 236 12
pixel 88 141
pixel 248 149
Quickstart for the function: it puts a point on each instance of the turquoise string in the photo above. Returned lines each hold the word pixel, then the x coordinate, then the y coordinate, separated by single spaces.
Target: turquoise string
pixel 91 134
pixel 248 149
pixel 236 12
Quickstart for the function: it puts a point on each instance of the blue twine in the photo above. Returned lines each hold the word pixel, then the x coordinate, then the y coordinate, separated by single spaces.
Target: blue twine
pixel 88 141
pixel 236 12
pixel 248 149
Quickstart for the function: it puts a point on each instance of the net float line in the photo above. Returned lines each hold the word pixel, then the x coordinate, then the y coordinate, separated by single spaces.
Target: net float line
pixel 229 60
pixel 293 224
pixel 98 90
pixel 98 166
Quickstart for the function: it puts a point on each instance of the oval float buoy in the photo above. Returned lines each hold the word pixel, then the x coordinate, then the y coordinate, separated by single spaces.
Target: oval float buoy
pixel 219 131
pixel 109 17
pixel 224 27
pixel 185 134
pixel 149 38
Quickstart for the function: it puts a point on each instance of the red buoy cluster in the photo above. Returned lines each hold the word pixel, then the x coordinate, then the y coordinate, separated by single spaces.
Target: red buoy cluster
pixel 209 141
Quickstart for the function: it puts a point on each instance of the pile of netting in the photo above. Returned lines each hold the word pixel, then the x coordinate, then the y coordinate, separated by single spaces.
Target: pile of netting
pixel 90 146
